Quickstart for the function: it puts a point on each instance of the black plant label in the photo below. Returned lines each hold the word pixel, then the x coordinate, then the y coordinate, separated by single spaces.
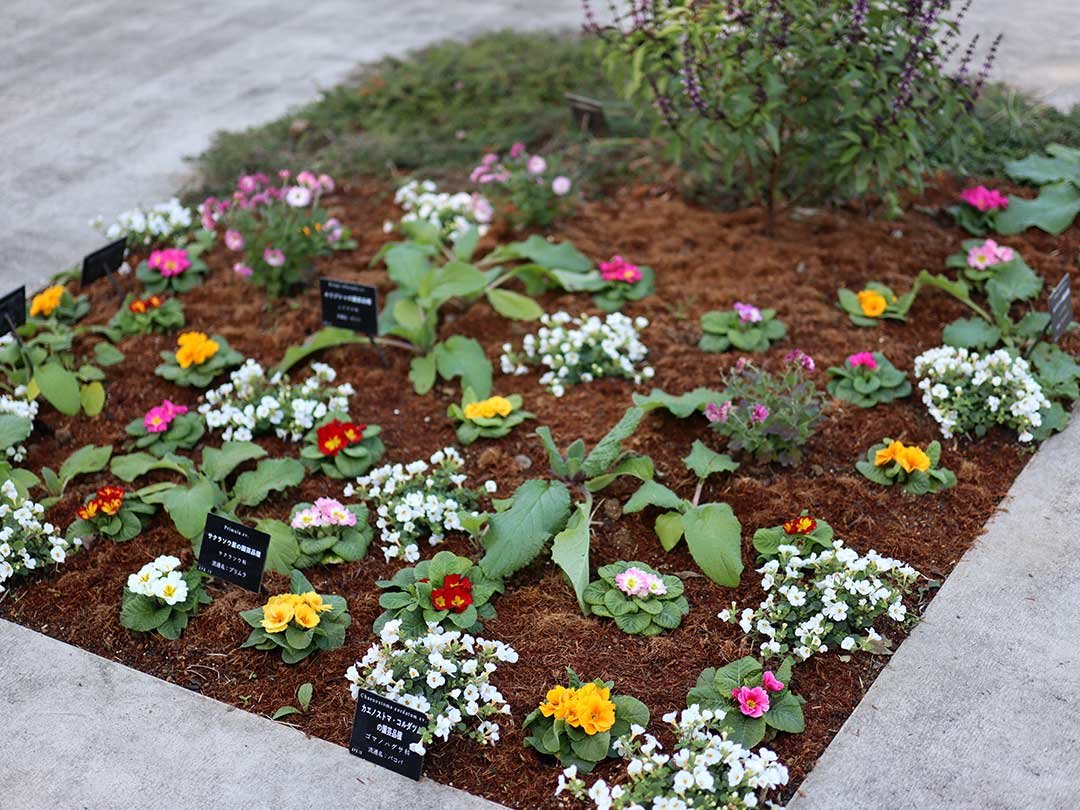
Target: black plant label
pixel 233 552
pixel 382 732
pixel 350 306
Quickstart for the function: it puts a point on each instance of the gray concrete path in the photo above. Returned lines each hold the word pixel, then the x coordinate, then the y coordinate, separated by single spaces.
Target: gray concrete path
pixel 84 733
pixel 100 100
pixel 979 709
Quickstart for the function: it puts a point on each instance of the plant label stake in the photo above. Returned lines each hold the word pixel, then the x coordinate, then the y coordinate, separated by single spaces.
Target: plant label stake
pixel 382 732
pixel 12 316
pixel 587 114
pixel 352 306
pixel 1061 313
pixel 233 552
pixel 104 262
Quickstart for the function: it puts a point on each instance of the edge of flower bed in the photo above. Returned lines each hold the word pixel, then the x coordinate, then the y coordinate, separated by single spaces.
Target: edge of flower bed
pixel 978 707
pixel 83 731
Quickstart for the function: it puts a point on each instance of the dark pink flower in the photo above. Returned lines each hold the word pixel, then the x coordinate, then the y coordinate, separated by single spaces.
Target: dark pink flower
pixel 771 682
pixel 752 702
pixel 717 413
pixel 863 359
pixel 759 413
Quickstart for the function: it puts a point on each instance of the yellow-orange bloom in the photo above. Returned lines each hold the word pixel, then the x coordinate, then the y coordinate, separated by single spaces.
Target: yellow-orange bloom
pixel 557 703
pixel 889 454
pixel 872 303
pixel 315 602
pixel 46 301
pixel 913 458
pixel 593 713
pixel 276 616
pixel 488 408
pixel 194 348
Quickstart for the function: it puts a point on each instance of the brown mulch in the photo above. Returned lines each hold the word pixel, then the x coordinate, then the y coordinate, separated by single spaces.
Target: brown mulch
pixel 703 260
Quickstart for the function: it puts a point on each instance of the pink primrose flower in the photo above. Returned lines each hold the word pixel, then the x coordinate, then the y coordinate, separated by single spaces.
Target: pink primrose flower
pixel 752 702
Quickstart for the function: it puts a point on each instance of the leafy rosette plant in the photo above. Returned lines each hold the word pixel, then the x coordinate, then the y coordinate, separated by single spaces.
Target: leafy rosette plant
pixel 977 209
pixel 447 590
pixel 743 327
pixel 982 259
pixel 166 428
pixel 756 702
pixel 340 448
pixel 804 532
pixel 874 303
pixel 175 269
pixel 58 304
pixel 892 462
pixel 326 532
pixel 197 360
pixel 867 379
pixel 641 600
pixel 298 623
pixel 110 513
pixel 625 282
pixel 490 418
pixel 159 597
pixel 143 316
pixel 579 723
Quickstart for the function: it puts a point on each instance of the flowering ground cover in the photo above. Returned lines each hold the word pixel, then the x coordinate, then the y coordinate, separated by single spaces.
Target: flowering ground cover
pixel 703 261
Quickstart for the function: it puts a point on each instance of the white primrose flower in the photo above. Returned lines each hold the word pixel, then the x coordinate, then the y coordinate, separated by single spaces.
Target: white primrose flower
pixel 160 223
pixel 26 542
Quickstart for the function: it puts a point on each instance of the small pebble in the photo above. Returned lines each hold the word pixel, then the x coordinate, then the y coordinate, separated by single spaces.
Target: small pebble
pixel 523 461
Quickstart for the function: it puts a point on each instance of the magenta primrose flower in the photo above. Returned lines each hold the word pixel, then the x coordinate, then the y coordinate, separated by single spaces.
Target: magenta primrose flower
pixel 158 419
pixel 984 199
pixel 748 313
pixel 752 702
pixel 517 150
pixel 771 682
pixel 864 359
pixel 619 269
pixel 169 262
pixel 242 270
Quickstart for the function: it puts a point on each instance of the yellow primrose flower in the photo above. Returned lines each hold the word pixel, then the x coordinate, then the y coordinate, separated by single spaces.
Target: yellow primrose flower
pixel 592 711
pixel 889 454
pixel 315 602
pixel 557 702
pixel 276 616
pixel 913 458
pixel 872 303
pixel 46 301
pixel 306 616
pixel 488 408
pixel 194 348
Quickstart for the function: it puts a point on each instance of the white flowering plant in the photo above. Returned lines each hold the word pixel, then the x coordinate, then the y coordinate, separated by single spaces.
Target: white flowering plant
pixel 437 217
pixel 340 448
pixel 444 674
pixel 829 599
pixel 17 415
pixel 253 403
pixel 160 597
pixel 966 392
pixel 411 501
pixel 752 703
pixel 640 599
pixel 26 541
pixel 706 770
pixel 743 327
pixel 164 222
pixel 582 349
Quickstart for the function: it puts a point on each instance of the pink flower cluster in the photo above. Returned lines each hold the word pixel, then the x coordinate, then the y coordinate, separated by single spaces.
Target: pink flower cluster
pixel 748 313
pixel 255 190
pixel 158 419
pixel 635 582
pixel 169 262
pixel 988 254
pixel 718 413
pixel 801 358
pixel 491 170
pixel 984 199
pixel 754 701
pixel 325 512
pixel 863 360
pixel 619 269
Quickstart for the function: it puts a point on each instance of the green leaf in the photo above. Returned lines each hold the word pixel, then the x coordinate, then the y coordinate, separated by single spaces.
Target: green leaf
pixel 105 354
pixel 651 493
pixel 640 467
pixel 456 279
pixel 326 338
pixel 422 373
pixel 464 357
pixel 592 747
pixel 189 506
pixel 283 552
pixel 1041 170
pixel 609 449
pixel 735 674
pixel 92 398
pixel 971 333
pixel 60 388
pixel 714 537
pixel 407 265
pixel 303 695
pixel 570 551
pixel 516 536
pixel 514 305
pixel 704 462
pixel 284 711
pixel 271 475
pixel 1052 211
pixel 85 460
pixel 669 528
pixel 680 406
pixel 218 464
pixel 14 430
pixel 409 315
pixel 558 255
pixel 142 614
pixel 786 713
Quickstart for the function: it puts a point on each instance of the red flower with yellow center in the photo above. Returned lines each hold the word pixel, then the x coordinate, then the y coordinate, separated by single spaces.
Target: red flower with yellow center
pixel 353 433
pixel 331 438
pixel 155 301
pixel 89 511
pixel 455 595
pixel 110 499
pixel 800 525
pixel 138 306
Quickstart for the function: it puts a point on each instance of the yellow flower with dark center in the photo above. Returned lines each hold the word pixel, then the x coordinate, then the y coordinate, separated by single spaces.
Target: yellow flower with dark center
pixel 46 301
pixel 488 408
pixel 306 616
pixel 315 602
pixel 871 303
pixel 913 458
pixel 194 349
pixel 276 616
pixel 557 703
pixel 889 454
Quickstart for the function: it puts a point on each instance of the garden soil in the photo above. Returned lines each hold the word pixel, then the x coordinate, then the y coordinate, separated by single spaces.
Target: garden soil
pixel 703 260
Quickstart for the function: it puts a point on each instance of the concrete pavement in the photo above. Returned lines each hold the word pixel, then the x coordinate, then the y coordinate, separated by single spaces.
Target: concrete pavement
pixel 979 709
pixel 85 733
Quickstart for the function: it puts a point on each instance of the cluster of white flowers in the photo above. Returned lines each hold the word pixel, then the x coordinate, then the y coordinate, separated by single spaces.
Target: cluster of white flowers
pixel 18 405
pixel 581 350
pixel 965 392
pixel 446 675
pixel 706 770
pixel 26 542
pixel 251 405
pixel 827 599
pixel 159 223
pixel 452 214
pixel 411 500
pixel 160 579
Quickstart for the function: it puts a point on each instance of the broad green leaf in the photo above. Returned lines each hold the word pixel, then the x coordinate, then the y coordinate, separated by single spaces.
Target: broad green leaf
pixel 105 354
pixel 680 406
pixel 85 460
pixel 326 338
pixel 142 614
pixel 570 551
pixel 652 493
pixel 714 537
pixel 14 430
pixel 270 475
pixel 1041 170
pixel 283 550
pixel 669 528
pixel 704 462
pixel 1052 211
pixel 422 373
pixel 735 674
pixel 515 537
pixel 558 255
pixel 640 467
pixel 464 357
pixel 971 333
pixel 303 695
pixel 456 279
pixel 514 305
pixel 60 388
pixel 92 397
pixel 409 315
pixel 609 449
pixel 218 464
pixel 189 506
pixel 786 713
pixel 284 711
pixel 407 265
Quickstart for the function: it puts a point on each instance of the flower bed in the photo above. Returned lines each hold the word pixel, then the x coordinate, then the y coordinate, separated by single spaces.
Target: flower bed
pixel 703 261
